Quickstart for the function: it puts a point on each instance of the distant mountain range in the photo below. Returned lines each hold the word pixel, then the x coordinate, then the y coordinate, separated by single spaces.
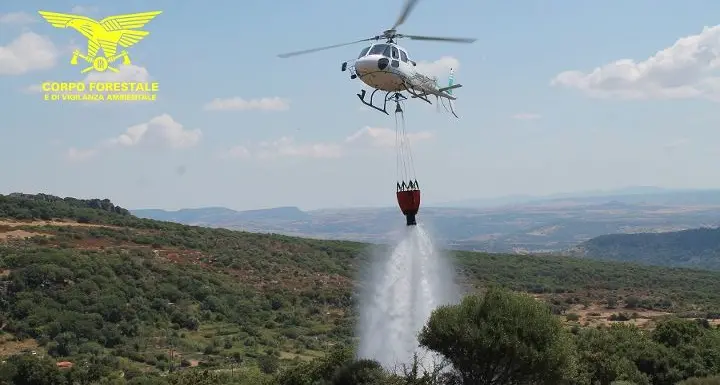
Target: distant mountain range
pixel 509 224
pixel 515 199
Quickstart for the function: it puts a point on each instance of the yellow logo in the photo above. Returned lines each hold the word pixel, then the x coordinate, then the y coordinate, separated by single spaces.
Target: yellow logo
pixel 103 36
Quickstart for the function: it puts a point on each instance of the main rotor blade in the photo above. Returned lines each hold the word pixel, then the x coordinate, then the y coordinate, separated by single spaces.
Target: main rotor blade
pixel 409 5
pixel 448 39
pixel 285 55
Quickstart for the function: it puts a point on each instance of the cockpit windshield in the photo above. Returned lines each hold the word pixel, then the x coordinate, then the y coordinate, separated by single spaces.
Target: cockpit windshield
pixel 364 52
pixel 380 49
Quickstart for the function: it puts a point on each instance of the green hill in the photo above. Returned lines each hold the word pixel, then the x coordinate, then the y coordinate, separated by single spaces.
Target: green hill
pixel 85 278
pixel 695 248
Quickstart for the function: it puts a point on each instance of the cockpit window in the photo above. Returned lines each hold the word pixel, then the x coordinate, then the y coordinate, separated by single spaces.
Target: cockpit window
pixel 364 52
pixel 395 53
pixel 380 49
pixel 386 53
pixel 403 56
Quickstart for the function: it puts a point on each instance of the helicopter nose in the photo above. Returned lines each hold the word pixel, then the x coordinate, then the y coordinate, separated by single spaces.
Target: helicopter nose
pixel 365 66
pixel 383 63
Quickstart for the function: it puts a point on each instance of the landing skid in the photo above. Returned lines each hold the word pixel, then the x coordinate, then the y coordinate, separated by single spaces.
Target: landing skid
pixel 396 96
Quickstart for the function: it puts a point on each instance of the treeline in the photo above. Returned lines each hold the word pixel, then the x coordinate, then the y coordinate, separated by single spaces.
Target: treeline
pixel 498 338
pixel 697 248
pixel 22 207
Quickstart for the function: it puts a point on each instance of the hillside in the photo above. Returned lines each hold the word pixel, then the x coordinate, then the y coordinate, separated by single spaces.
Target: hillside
pixel 699 248
pixel 85 278
pixel 552 224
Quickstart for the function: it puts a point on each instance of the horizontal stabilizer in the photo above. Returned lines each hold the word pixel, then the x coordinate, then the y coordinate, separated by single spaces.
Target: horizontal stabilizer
pixel 452 87
pixel 436 93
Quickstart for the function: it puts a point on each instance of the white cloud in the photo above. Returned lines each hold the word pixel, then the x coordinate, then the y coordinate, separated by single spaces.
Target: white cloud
pixel 287 147
pixel 126 73
pixel 237 152
pixel 676 144
pixel 439 68
pixel 384 137
pixel 367 137
pixel 18 18
pixel 29 52
pixel 84 10
pixel 687 69
pixel 75 154
pixel 160 130
pixel 238 103
pixel 284 147
pixel 526 116
pixel 32 89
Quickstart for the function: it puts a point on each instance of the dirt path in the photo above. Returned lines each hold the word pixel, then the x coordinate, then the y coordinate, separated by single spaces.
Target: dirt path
pixel 9 231
pixel 596 315
pixel 7 223
pixel 18 234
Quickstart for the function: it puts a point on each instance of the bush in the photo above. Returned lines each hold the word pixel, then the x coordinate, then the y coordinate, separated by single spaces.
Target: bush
pixel 632 302
pixel 572 317
pixel 714 380
pixel 268 364
pixel 619 317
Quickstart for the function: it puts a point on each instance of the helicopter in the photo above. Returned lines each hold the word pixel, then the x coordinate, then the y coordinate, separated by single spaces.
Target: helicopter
pixel 386 66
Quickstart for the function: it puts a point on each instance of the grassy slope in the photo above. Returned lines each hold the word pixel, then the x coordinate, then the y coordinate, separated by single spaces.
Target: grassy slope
pixel 139 288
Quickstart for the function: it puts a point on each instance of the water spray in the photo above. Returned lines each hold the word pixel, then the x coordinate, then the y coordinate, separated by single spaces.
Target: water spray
pixel 401 292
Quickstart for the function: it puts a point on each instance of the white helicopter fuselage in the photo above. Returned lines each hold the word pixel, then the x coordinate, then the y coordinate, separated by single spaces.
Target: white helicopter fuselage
pixel 386 79
pixel 386 67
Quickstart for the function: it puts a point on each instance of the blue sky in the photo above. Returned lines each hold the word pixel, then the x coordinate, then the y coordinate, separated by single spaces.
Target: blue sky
pixel 527 125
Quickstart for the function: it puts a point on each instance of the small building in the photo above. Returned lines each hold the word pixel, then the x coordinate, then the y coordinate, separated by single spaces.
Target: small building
pixel 64 365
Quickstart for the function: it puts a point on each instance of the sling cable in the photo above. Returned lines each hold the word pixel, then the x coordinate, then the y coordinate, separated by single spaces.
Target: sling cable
pixel 408 190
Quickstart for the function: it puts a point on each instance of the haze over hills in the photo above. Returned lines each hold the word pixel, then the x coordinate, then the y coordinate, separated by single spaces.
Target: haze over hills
pixel 520 198
pixel 507 224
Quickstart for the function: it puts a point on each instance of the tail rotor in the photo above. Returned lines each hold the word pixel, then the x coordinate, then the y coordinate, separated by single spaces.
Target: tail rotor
pixel 451 82
pixel 449 91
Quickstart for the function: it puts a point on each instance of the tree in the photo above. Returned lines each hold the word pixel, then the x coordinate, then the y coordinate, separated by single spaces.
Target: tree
pixel 268 364
pixel 632 302
pixel 675 332
pixel 500 338
pixel 693 349
pixel 317 371
pixel 28 369
pixel 196 377
pixel 714 380
pixel 360 372
pixel 612 354
pixel 611 302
